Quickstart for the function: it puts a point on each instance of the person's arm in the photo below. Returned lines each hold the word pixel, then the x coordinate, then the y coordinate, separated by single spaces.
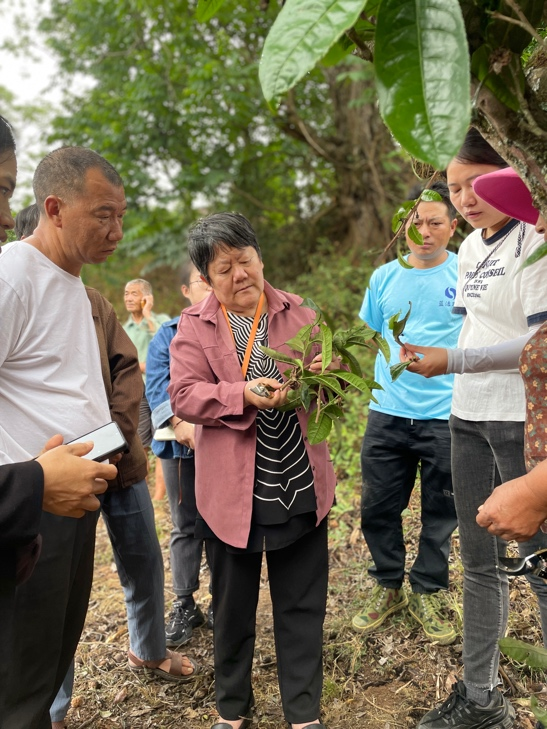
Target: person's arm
pixel 517 508
pixel 157 377
pixel 157 381
pixel 125 377
pixel 59 481
pixel 439 361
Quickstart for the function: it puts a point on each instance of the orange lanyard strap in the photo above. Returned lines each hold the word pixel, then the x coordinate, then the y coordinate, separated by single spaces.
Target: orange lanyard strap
pixel 252 335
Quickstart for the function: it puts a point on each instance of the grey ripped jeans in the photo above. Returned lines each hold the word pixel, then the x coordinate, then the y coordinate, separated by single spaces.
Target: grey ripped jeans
pixel 485 454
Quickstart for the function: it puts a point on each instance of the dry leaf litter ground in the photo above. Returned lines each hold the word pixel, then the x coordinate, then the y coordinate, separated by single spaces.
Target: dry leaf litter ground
pixel 385 680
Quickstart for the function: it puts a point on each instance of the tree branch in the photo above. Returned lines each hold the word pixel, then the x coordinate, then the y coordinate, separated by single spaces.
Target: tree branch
pixel 523 21
pixel 364 51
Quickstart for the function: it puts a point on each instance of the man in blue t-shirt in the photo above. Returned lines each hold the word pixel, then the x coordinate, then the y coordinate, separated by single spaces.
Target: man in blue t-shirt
pixel 408 427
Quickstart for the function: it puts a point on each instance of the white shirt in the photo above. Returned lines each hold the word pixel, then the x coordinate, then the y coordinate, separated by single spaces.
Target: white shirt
pixel 50 370
pixel 500 302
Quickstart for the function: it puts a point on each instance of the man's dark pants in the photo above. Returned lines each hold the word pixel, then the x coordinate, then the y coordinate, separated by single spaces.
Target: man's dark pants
pixel 49 615
pixel 392 450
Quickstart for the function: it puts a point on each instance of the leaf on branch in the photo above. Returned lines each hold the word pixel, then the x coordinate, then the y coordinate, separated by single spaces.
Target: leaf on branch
pixel 422 76
pixel 310 304
pixel 318 428
pixel 349 359
pixel 326 347
pixel 401 215
pixel 428 195
pixel 300 37
pixel 415 235
pixel 358 382
pixel 402 260
pixel 328 380
pixel 279 356
pixel 397 370
pixel 397 326
pixel 383 346
pixel 206 9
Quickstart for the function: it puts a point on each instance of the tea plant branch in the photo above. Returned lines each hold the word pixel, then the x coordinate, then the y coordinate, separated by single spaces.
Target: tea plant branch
pixel 323 394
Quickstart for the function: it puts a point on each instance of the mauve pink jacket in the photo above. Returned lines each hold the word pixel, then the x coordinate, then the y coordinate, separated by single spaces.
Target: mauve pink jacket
pixel 207 389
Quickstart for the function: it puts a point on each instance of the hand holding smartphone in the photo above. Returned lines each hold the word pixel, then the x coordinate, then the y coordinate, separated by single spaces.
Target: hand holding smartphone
pixel 107 440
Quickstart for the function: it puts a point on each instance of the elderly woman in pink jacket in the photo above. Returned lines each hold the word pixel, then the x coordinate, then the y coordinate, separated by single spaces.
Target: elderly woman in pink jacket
pixel 260 485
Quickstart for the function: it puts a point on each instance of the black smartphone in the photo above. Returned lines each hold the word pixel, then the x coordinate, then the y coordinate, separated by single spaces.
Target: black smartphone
pixel 107 440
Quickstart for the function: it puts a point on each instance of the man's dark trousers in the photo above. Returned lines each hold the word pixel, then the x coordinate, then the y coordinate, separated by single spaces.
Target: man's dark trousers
pixel 392 450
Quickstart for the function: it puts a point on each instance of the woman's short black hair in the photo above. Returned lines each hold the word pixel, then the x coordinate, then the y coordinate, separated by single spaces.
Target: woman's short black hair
pixel 476 151
pixel 220 230
pixel 7 140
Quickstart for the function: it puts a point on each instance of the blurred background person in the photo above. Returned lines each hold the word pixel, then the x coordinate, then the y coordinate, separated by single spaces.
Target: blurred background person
pixel 141 325
pixel 173 444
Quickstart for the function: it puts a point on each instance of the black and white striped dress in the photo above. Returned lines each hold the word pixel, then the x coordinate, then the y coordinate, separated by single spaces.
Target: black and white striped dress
pixel 284 485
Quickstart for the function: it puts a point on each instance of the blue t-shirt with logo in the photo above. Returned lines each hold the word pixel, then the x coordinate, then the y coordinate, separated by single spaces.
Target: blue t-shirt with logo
pixel 432 323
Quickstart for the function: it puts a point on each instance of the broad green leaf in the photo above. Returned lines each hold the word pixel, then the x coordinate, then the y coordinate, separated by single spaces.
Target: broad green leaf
pixel 305 396
pixel 415 235
pixel 318 431
pixel 310 304
pixel 326 347
pixel 397 370
pixel 540 252
pixel 401 215
pixel 534 656
pixel 301 35
pixel 206 9
pixel 349 359
pixel 383 346
pixel 278 356
pixel 300 341
pixel 397 326
pixel 358 382
pixel 538 711
pixel 422 76
pixel 402 260
pixel 333 410
pixel 428 195
pixel 327 380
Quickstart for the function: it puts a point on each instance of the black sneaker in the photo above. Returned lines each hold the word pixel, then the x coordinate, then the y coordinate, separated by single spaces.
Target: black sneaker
pixel 459 712
pixel 178 630
pixel 194 616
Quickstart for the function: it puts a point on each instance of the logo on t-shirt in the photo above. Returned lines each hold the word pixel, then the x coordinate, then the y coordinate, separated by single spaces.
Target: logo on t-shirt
pixel 450 294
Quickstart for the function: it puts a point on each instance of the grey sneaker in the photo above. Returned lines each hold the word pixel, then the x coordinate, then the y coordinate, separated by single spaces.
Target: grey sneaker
pixel 459 712
pixel 383 601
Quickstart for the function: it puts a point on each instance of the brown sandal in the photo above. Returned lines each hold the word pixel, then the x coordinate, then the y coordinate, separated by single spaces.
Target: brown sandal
pixel 169 669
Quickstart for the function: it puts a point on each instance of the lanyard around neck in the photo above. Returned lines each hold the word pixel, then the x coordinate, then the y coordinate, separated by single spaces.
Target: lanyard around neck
pixel 252 335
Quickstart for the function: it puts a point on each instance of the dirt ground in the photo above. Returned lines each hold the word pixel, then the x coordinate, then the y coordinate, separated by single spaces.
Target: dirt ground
pixel 383 681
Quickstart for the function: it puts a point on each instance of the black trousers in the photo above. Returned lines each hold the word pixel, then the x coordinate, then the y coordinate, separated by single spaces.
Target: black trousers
pixel 48 618
pixel 298 577
pixel 392 449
